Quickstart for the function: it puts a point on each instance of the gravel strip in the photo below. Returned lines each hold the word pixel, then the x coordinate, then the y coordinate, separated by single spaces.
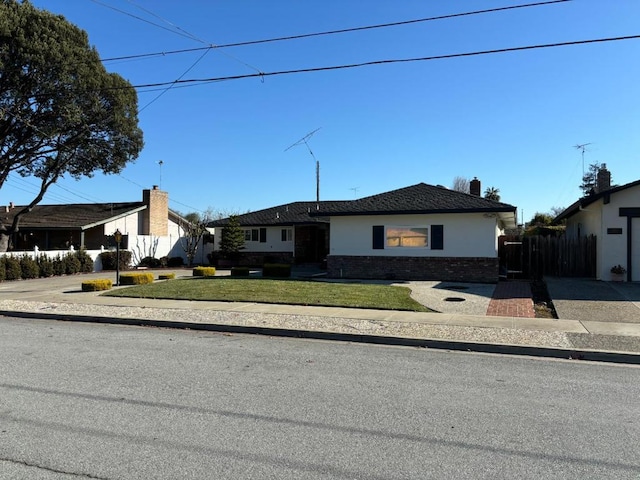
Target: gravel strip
pixel 302 322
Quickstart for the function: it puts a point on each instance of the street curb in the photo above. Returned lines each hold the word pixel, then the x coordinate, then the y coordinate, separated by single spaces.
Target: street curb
pixel 454 345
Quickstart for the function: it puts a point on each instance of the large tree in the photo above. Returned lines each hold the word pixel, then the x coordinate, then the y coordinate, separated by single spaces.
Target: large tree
pixel 590 179
pixel 460 184
pixel 492 193
pixel 61 112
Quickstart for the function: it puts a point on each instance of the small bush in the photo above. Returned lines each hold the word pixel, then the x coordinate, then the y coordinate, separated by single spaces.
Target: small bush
pixel 72 264
pixel 166 276
pixel 97 285
pixel 150 262
pixel 58 266
pixel 279 270
pixel 164 261
pixel 45 265
pixel 174 262
pixel 109 260
pixel 204 271
pixel 86 263
pixel 28 267
pixel 13 270
pixel 2 268
pixel 136 278
pixel 239 271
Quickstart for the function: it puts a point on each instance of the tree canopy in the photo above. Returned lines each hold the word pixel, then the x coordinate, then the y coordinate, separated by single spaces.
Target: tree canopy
pixel 61 112
pixel 590 178
pixel 492 193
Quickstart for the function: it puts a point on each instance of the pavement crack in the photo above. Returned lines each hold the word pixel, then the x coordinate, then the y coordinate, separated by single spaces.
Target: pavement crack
pixel 50 469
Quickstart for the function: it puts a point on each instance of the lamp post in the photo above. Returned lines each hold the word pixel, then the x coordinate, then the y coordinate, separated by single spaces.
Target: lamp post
pixel 118 238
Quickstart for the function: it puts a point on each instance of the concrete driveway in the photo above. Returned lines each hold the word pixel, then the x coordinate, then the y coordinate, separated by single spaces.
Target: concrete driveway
pixel 595 300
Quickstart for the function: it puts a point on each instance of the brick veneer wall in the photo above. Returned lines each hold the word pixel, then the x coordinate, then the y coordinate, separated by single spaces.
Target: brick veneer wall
pixel 450 269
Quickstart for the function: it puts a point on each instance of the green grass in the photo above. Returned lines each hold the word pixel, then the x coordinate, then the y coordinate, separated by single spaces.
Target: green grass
pixel 292 292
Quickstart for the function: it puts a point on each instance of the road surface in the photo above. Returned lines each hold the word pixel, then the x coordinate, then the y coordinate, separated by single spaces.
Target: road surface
pixel 111 402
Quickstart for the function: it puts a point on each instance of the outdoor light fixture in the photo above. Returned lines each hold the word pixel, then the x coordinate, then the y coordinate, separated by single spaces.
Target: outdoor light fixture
pixel 117 235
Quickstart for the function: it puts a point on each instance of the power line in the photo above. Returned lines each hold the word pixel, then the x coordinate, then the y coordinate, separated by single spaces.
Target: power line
pixel 386 62
pixel 334 32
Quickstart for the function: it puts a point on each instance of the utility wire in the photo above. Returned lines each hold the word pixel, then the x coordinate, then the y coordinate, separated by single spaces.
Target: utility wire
pixel 386 62
pixel 333 32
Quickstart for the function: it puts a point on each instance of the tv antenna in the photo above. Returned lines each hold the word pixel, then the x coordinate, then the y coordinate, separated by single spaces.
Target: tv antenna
pixel 300 142
pixel 355 191
pixel 160 162
pixel 582 148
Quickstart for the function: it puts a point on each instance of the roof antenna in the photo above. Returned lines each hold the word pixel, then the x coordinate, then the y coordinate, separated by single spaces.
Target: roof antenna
pixel 355 191
pixel 300 142
pixel 160 162
pixel 582 148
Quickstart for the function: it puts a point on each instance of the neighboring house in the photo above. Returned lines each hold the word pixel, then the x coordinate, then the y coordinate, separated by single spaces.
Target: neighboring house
pixel 286 233
pixel 612 215
pixel 417 232
pixel 148 227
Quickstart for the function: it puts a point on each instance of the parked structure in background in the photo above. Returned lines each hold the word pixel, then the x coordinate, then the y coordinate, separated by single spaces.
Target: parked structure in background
pixel 612 215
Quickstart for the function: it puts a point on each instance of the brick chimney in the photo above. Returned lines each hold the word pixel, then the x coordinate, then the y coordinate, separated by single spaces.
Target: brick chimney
pixel 603 179
pixel 474 187
pixel 155 218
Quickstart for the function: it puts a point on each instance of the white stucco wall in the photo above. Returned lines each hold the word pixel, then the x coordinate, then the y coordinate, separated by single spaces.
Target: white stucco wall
pixel 274 241
pixel 465 235
pixel 597 218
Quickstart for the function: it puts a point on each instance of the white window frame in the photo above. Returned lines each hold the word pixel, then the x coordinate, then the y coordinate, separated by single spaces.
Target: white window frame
pixel 251 234
pixel 288 236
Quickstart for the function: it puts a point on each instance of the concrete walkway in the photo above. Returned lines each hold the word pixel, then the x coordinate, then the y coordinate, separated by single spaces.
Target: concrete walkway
pixel 60 298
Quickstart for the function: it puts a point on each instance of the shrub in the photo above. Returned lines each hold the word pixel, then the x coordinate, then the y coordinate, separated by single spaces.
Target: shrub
pixel 137 278
pixel 28 267
pixel 13 271
pixel 175 262
pixel 204 271
pixel 2 268
pixel 239 271
pixel 166 276
pixel 279 270
pixel 45 265
pixel 72 264
pixel 150 262
pixel 86 263
pixel 109 260
pixel 164 261
pixel 58 266
pixel 97 285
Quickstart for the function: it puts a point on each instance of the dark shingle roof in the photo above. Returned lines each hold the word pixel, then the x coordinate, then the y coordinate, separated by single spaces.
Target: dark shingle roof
pixel 295 213
pixel 586 201
pixel 73 216
pixel 416 199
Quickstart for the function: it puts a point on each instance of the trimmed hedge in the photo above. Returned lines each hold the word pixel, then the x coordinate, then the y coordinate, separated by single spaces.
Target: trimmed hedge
pixel 166 276
pixel 109 260
pixel 97 285
pixel 239 271
pixel 136 278
pixel 204 271
pixel 150 262
pixel 278 270
pixel 26 267
pixel 174 262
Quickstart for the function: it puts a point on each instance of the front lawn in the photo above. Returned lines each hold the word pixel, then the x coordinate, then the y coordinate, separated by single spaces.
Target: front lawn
pixel 292 292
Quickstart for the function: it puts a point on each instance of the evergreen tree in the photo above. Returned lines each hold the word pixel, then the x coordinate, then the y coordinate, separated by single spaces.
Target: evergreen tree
pixel 231 239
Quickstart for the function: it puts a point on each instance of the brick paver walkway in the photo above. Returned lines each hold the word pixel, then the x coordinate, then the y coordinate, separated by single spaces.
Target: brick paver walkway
pixel 512 298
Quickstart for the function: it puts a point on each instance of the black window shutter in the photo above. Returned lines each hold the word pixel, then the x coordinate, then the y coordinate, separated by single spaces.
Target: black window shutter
pixel 263 235
pixel 283 235
pixel 378 237
pixel 437 237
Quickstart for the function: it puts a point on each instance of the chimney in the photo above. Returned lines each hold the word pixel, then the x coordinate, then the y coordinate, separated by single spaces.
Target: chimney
pixel 155 218
pixel 474 187
pixel 603 179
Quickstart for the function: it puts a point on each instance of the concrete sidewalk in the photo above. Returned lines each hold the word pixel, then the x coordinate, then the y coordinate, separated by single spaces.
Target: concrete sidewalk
pixel 61 299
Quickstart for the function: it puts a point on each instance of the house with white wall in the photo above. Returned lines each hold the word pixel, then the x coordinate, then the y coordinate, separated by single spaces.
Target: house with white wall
pixel 421 232
pixel 148 228
pixel 417 232
pixel 612 215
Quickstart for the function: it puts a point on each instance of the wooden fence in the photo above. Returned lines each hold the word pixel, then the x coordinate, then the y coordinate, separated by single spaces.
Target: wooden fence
pixel 536 256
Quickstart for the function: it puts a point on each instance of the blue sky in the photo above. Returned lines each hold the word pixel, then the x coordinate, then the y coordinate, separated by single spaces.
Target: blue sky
pixel 510 119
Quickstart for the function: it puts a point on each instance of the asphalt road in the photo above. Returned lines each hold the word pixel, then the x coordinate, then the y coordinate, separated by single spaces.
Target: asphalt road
pixel 110 402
